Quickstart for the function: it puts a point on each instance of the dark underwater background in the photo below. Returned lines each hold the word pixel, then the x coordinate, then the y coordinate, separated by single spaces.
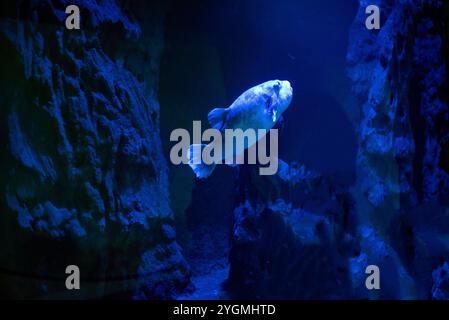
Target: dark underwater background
pixel 86 179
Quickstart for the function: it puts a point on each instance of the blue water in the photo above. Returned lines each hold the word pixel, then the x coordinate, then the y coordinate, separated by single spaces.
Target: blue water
pixel 215 50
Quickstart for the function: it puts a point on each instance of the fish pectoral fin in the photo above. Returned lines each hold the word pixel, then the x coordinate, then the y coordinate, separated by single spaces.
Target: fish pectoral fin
pixel 271 107
pixel 273 112
pixel 217 118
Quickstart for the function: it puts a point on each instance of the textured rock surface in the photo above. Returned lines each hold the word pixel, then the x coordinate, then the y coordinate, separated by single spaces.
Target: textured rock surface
pixel 292 238
pixel 83 178
pixel 440 288
pixel 400 76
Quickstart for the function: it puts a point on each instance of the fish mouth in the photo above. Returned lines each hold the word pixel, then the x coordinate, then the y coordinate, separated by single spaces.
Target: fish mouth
pixel 286 84
pixel 287 89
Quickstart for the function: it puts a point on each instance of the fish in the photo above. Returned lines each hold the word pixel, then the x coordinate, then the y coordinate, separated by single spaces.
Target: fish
pixel 259 107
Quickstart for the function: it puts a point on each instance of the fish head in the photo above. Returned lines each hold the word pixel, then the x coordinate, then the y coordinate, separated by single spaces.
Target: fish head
pixel 285 95
pixel 278 96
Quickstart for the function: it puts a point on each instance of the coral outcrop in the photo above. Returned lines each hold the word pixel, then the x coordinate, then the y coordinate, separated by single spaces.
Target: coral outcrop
pixel 293 235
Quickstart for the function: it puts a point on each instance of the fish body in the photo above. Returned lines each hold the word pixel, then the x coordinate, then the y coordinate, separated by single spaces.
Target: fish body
pixel 259 107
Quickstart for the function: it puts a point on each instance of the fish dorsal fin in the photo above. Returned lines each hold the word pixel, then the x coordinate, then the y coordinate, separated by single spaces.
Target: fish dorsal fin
pixel 217 118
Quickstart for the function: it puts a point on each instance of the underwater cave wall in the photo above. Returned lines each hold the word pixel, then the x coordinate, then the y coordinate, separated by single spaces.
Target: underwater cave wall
pixel 83 178
pixel 400 76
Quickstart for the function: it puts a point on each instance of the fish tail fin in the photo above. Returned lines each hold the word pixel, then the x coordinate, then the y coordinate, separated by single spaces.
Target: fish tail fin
pixel 217 117
pixel 201 169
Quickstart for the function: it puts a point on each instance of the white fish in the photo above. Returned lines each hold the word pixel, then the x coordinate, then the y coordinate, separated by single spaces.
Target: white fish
pixel 257 108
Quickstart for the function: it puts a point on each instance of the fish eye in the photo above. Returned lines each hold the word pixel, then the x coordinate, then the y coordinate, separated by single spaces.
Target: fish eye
pixel 277 85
